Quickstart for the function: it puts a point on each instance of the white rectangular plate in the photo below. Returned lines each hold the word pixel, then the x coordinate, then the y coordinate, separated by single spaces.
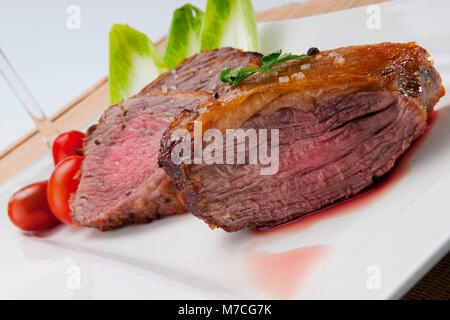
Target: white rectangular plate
pixel 375 247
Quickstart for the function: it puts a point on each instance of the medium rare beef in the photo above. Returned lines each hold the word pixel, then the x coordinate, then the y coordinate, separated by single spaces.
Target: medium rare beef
pixel 120 182
pixel 343 118
pixel 201 72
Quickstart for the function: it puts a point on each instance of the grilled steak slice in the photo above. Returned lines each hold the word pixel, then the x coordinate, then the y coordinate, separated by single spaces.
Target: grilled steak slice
pixel 201 72
pixel 344 117
pixel 120 181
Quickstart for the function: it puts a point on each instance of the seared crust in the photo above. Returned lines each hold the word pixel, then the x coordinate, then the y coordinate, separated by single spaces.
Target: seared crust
pixel 402 67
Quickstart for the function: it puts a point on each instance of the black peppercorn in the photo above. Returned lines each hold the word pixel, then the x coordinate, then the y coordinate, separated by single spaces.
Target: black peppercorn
pixel 312 51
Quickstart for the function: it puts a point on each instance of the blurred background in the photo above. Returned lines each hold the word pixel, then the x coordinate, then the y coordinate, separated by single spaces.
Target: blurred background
pixel 58 63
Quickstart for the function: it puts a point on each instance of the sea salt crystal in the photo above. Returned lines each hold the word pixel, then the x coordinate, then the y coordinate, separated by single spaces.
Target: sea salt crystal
pixel 164 89
pixel 202 110
pixel 298 75
pixel 305 66
pixel 173 87
pixel 339 59
pixel 283 79
pixel 332 54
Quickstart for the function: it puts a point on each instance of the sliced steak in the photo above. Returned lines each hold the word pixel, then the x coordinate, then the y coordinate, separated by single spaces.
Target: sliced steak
pixel 343 117
pixel 201 72
pixel 120 181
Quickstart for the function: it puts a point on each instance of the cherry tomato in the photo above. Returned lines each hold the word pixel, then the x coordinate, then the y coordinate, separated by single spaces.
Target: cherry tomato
pixel 28 208
pixel 62 183
pixel 66 145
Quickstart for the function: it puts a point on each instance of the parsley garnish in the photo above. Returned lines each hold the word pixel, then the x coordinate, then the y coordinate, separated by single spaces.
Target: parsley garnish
pixel 237 75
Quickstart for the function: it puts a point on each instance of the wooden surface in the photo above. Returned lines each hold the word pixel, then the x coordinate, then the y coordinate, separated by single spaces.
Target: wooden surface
pixel 90 104
pixel 435 285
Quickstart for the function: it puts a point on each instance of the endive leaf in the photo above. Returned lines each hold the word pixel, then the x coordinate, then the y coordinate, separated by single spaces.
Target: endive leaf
pixel 133 62
pixel 230 23
pixel 183 39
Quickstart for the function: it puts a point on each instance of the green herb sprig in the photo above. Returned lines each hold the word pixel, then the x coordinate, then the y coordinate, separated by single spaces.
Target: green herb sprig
pixel 237 75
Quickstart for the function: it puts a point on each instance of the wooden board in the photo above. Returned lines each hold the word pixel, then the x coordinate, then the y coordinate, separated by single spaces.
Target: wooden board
pixel 91 103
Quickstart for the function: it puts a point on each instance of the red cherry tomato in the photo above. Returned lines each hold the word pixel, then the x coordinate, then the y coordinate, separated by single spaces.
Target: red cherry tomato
pixel 66 144
pixel 28 208
pixel 62 183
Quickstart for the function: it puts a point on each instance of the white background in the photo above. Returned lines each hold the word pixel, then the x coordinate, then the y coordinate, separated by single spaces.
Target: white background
pixel 56 63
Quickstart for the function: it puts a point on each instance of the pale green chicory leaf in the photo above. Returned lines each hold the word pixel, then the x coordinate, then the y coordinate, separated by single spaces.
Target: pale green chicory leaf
pixel 183 39
pixel 230 23
pixel 133 62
